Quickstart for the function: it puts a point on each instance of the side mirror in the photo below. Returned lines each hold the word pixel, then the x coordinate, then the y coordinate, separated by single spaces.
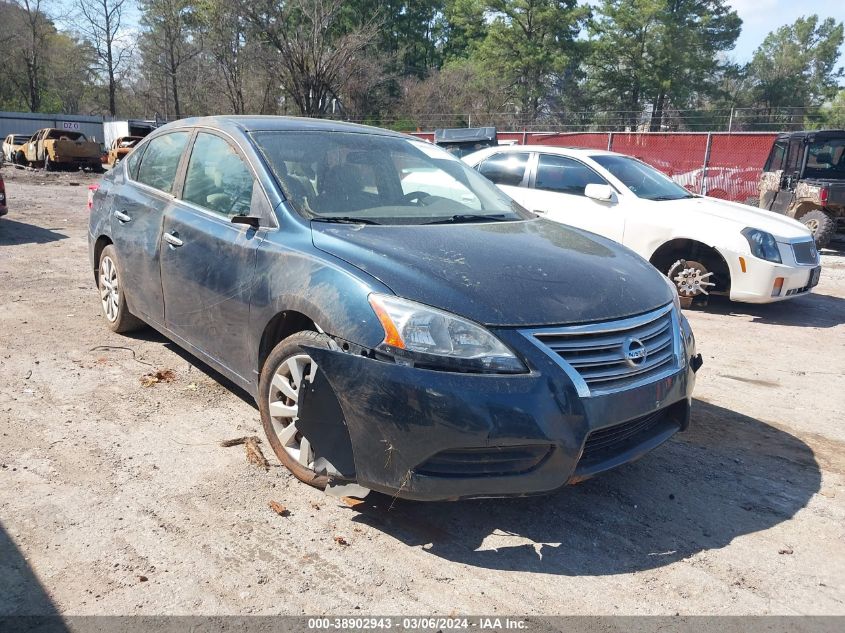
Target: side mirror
pixel 249 220
pixel 602 193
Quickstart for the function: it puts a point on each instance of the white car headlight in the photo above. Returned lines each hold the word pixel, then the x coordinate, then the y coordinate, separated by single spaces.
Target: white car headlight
pixel 427 337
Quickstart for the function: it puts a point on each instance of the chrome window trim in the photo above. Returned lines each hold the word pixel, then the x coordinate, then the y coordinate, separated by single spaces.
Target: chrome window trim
pixel 581 386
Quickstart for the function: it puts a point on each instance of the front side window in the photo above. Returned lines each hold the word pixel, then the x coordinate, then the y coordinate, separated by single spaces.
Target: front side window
pixel 217 178
pixel 133 161
pixel 161 160
pixel 344 176
pixel 564 175
pixel 643 180
pixel 505 169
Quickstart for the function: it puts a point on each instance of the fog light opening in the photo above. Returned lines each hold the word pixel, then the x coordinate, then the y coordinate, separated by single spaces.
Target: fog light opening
pixel 777 287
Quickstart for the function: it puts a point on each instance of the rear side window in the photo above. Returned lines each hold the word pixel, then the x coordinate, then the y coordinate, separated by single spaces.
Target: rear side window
pixel 217 177
pixel 564 175
pixel 505 169
pixel 161 160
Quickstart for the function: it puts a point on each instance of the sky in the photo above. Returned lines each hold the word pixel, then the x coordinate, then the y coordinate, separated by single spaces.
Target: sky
pixel 759 17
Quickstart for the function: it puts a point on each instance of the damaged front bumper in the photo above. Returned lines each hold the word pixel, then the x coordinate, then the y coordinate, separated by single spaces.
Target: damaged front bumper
pixel 432 435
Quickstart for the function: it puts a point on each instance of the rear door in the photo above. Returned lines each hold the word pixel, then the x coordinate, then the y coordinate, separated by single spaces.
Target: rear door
pixel 207 262
pixel 791 170
pixel 508 170
pixel 556 191
pixel 143 194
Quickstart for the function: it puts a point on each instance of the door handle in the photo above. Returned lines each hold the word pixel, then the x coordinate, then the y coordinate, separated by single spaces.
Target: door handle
pixel 541 212
pixel 120 215
pixel 171 239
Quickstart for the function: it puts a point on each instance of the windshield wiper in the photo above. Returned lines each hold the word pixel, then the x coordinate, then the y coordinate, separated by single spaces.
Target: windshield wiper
pixel 343 220
pixel 471 217
pixel 673 197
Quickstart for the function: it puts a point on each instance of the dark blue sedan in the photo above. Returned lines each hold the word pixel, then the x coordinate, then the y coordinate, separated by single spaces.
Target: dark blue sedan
pixel 403 325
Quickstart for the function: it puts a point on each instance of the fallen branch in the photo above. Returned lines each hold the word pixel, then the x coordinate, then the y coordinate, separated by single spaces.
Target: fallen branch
pixel 240 440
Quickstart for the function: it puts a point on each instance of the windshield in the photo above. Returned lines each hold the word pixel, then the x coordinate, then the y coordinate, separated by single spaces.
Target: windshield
pixel 826 159
pixel 643 181
pixel 342 176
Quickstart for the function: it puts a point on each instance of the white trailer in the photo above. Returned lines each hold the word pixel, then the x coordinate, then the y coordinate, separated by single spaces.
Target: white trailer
pixel 128 127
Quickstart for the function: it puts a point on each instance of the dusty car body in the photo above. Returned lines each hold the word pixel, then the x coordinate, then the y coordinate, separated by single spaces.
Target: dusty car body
pixel 53 149
pixel 12 146
pixel 121 148
pixel 431 346
pixel 804 178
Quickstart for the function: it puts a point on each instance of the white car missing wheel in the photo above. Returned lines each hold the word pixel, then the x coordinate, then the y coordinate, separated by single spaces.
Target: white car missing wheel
pixel 706 246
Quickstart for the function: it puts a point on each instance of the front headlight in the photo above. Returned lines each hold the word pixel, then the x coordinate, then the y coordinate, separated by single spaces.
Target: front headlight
pixel 427 337
pixel 763 245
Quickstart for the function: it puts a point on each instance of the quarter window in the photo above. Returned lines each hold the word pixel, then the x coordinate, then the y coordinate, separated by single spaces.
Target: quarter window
pixel 564 175
pixel 217 177
pixel 161 160
pixel 505 169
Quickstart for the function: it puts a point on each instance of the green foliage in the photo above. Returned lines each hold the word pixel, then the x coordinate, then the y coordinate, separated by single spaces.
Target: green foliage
pixel 796 64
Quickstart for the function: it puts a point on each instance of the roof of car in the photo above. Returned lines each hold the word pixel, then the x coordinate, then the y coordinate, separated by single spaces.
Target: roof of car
pixel 255 123
pixel 549 149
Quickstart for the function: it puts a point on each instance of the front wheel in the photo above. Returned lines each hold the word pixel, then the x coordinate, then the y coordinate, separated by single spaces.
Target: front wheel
pixel 113 296
pixel 285 373
pixel 822 225
pixel 690 278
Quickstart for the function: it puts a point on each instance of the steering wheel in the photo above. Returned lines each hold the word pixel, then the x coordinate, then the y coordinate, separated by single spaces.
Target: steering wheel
pixel 419 196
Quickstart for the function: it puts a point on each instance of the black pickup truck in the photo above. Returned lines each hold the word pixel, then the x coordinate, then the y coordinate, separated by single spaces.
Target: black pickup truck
pixel 804 178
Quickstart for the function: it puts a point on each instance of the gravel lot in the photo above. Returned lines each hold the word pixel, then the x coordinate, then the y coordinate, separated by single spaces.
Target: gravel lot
pixel 116 498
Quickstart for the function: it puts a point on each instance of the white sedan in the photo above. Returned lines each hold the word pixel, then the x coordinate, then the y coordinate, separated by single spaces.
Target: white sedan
pixel 706 246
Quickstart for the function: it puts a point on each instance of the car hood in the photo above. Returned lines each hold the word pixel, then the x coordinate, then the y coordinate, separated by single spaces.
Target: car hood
pixel 521 273
pixel 778 225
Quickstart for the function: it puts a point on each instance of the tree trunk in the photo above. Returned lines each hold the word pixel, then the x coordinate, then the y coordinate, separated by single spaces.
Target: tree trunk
pixel 657 112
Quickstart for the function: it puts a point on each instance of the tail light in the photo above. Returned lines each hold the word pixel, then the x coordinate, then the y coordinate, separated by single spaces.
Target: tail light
pixel 823 194
pixel 92 189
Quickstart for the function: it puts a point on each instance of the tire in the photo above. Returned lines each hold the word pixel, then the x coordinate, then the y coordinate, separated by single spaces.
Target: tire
pixel 278 366
pixel 20 158
pixel 821 224
pixel 112 296
pixel 691 278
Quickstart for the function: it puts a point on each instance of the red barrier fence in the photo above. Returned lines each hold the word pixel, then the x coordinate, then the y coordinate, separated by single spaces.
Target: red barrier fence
pixel 720 164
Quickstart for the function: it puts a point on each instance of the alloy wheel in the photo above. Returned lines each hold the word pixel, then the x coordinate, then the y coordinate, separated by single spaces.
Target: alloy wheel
pixel 285 388
pixel 109 288
pixel 691 279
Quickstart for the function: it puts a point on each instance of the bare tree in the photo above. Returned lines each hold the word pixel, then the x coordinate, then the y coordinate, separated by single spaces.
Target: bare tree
pixel 224 29
pixel 318 52
pixel 101 23
pixel 32 39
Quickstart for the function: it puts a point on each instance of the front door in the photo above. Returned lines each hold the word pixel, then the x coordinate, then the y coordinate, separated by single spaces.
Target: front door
pixel 556 191
pixel 207 262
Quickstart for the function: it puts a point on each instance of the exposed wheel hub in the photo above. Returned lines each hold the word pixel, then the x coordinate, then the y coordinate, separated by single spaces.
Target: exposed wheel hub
pixel 691 278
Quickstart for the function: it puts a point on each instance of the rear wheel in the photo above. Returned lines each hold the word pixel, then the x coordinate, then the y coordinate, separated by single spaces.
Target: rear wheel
pixel 112 294
pixel 285 373
pixel 821 224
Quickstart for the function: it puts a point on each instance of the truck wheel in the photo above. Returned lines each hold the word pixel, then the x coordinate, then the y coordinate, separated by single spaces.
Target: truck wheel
pixel 20 158
pixel 821 224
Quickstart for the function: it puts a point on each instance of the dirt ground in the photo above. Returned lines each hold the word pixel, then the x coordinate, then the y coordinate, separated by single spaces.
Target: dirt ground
pixel 116 498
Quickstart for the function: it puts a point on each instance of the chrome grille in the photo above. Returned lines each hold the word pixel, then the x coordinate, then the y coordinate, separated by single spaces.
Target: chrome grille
pixel 597 356
pixel 805 252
